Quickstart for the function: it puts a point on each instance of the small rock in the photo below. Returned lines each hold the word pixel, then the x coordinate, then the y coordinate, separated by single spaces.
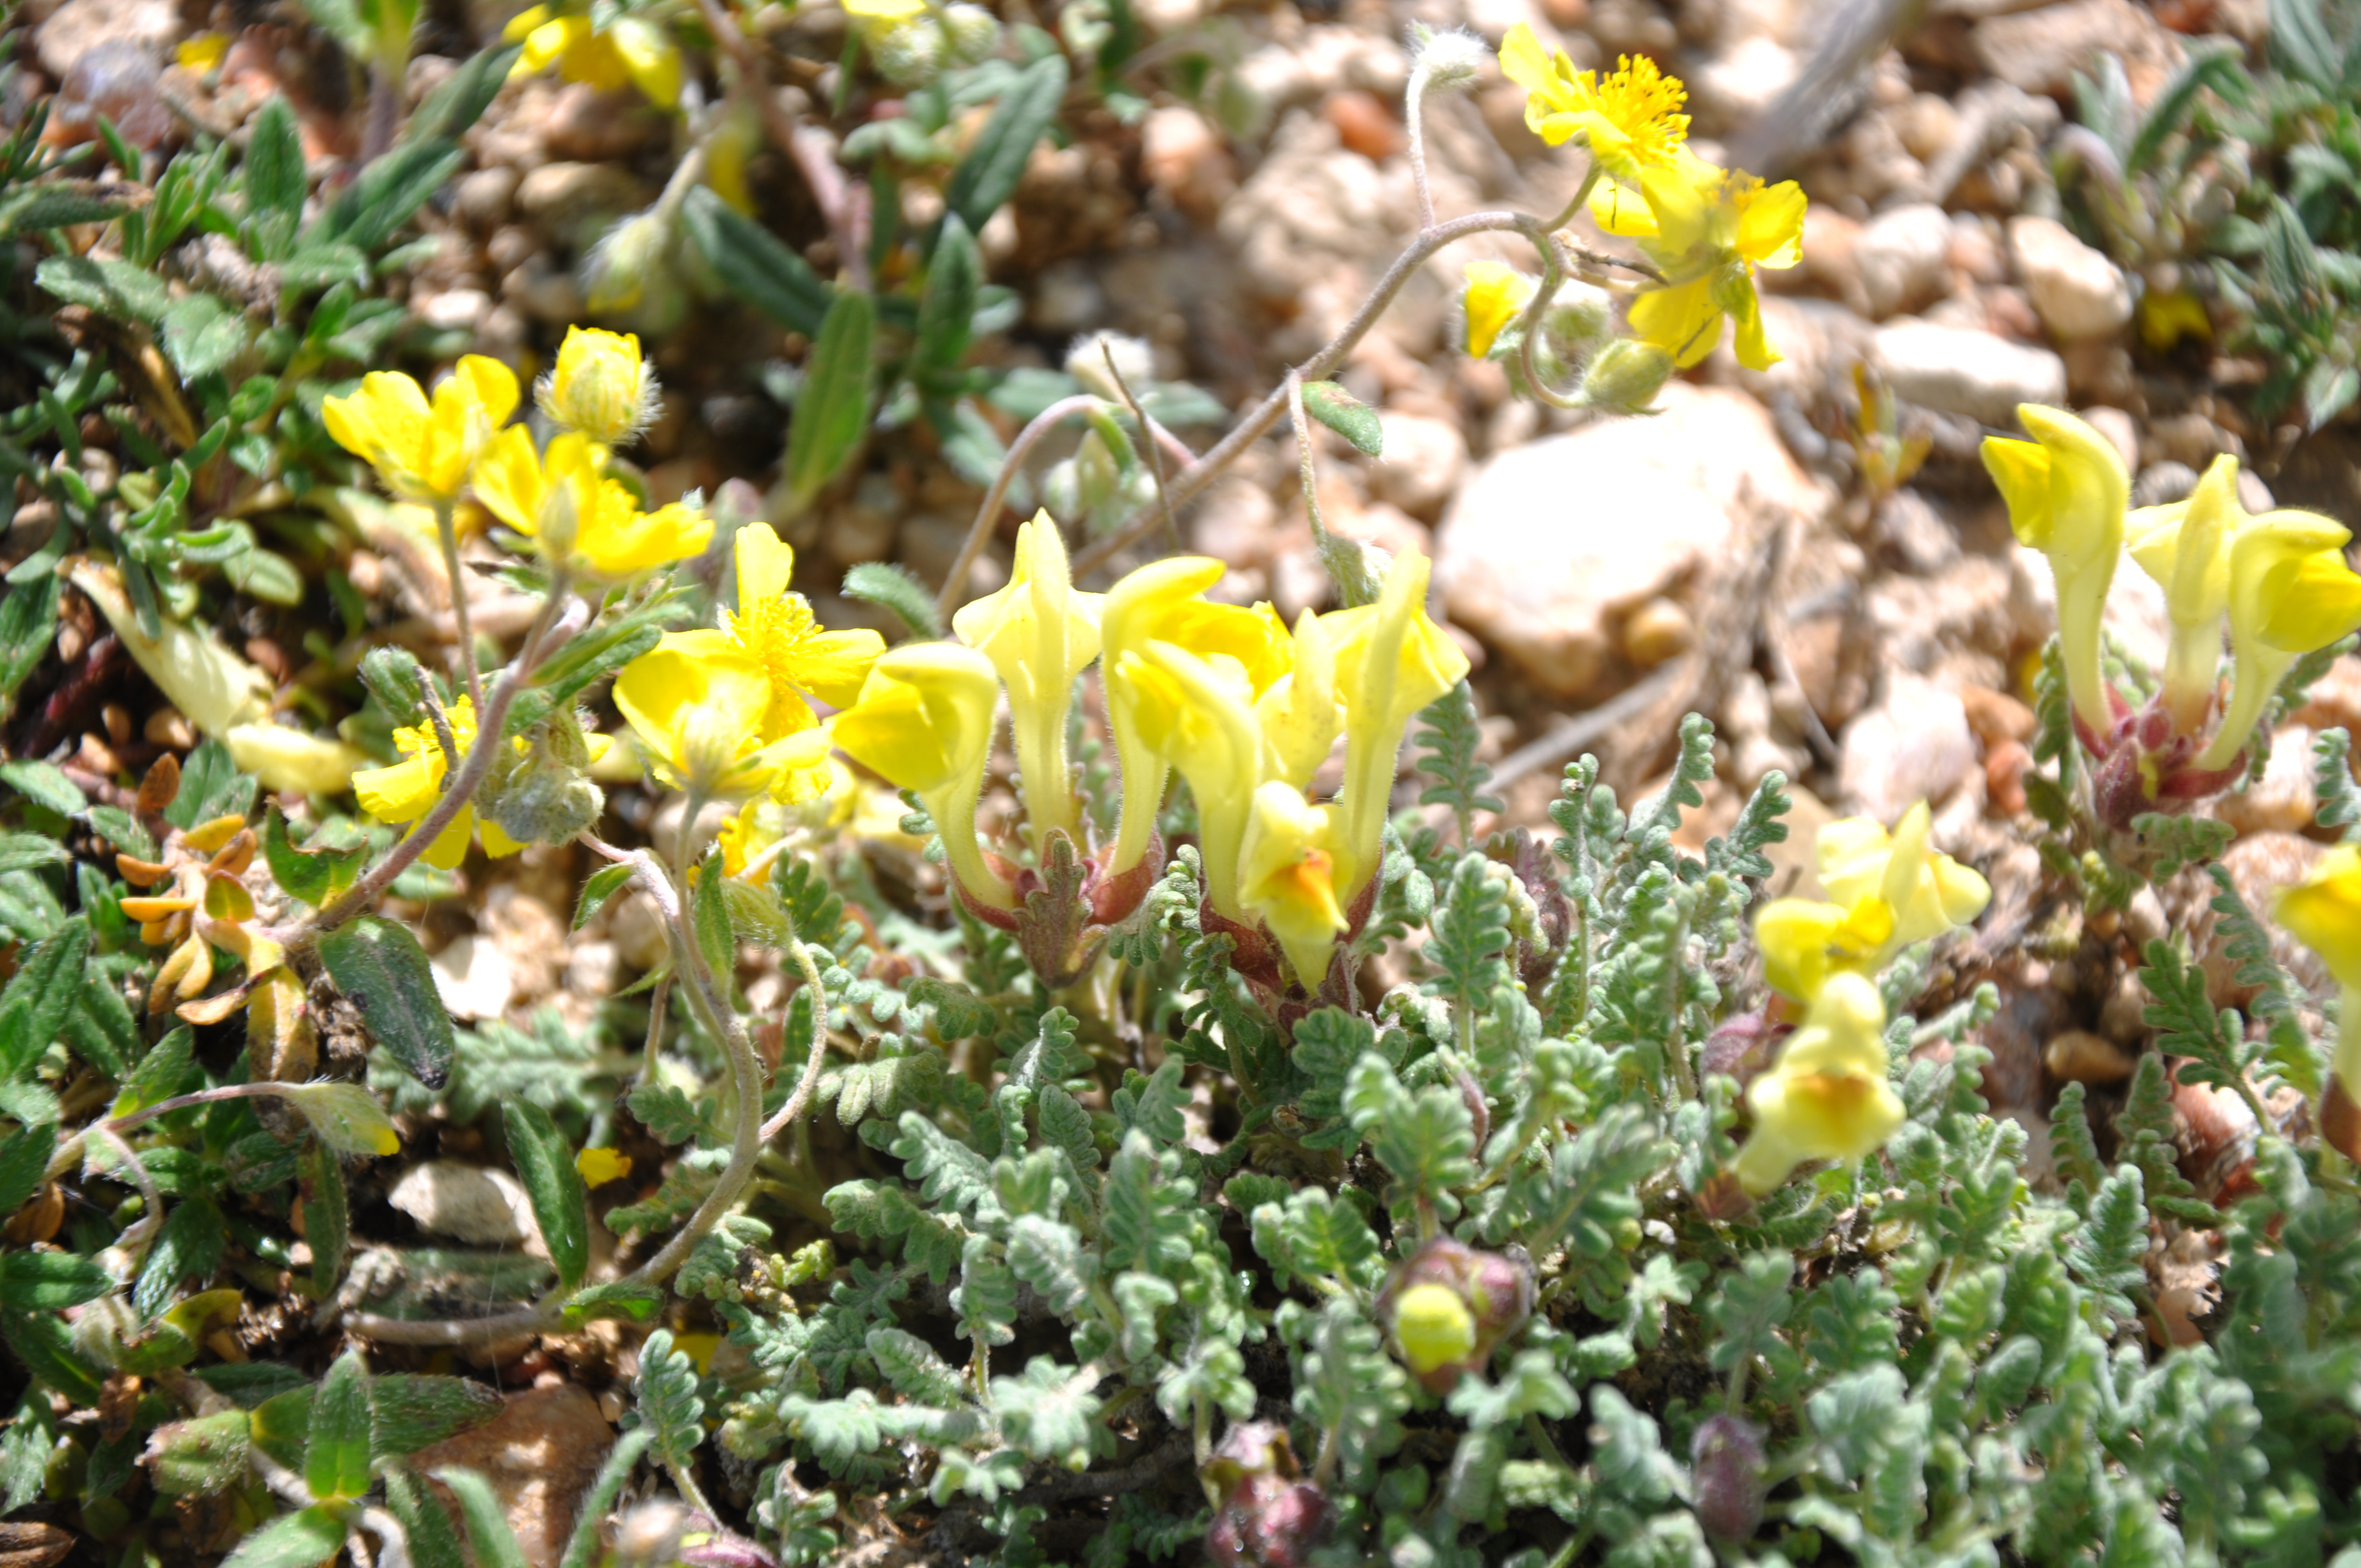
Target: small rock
pixel 1540 549
pixel 78 26
pixel 2283 800
pixel 1996 717
pixel 1658 631
pixel 2040 51
pixel 1066 298
pixel 2121 430
pixel 2334 701
pixel 1182 155
pixel 1927 125
pixel 1736 87
pixel 2161 484
pixel 2006 765
pixel 1236 522
pixel 929 544
pixel 2078 290
pixel 168 728
pixel 2190 439
pixel 472 1203
pixel 1902 258
pixel 1424 462
pixel 484 197
pixel 2079 1056
pixel 529 935
pixel 593 969
pixel 1916 531
pixel 540 1454
pixel 638 931
pixel 560 196
pixel 1975 251
pixel 2252 494
pixel 453 310
pixel 1954 370
pixel 474 978
pixel 592 127
pixel 1365 125
pixel 543 293
pixel 1914 745
pixel 118 79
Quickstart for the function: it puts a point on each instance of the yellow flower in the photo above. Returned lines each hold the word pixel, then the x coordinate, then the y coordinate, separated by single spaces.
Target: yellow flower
pixel 698 717
pixel 2323 913
pixel 1705 228
pixel 566 501
pixel 203 53
pixel 2066 492
pixel 1433 1326
pixel 1391 660
pixel 1630 119
pixel 2165 318
pixel 1496 293
pixel 599 387
pixel 600 1166
pixel 776 629
pixel 1804 941
pixel 422 450
pixel 1301 717
pixel 1160 603
pixel 408 790
pixel 633 51
pixel 924 722
pixel 2185 547
pixel 1827 1097
pixel 1928 891
pixel 1038 633
pixel 2291 593
pixel 884 11
pixel 1197 715
pixel 1287 875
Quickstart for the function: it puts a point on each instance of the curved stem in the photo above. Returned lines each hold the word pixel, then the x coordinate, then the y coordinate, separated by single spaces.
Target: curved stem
pixel 446 530
pixel 807 1085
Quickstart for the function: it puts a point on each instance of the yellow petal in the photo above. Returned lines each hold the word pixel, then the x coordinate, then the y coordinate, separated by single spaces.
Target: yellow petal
pixel 2317 602
pixel 653 59
pixel 1287 867
pixel 1771 225
pixel 600 387
pixel 765 565
pixel 508 479
pixel 1619 210
pixel 2021 471
pixel 2323 913
pixel 1496 293
pixel 1683 320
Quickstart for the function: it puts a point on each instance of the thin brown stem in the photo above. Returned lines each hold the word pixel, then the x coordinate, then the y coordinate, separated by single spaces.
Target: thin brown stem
pixel 809 1083
pixel 988 514
pixel 446 530
pixel 1148 439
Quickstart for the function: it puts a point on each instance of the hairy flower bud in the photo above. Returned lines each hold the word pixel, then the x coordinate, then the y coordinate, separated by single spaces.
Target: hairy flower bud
pixel 1726 1467
pixel 1450 61
pixel 540 794
pixel 629 270
pixel 973 32
pixel 393 675
pixel 1266 1516
pixel 1134 362
pixel 1625 377
pixel 1448 1305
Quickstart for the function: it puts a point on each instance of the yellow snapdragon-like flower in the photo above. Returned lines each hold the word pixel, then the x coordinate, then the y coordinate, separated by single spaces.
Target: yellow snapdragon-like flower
pixel 599 387
pixel 2291 593
pixel 1705 229
pixel 423 449
pixel 800 660
pixel 2323 913
pixel 1827 1097
pixel 566 501
pixel 1287 876
pixel 1300 713
pixel 1630 117
pixel 1197 715
pixel 698 717
pixel 1391 660
pixel 1163 602
pixel 1496 292
pixel 2185 547
pixel 1889 889
pixel 633 51
pixel 1038 632
pixel 2066 492
pixel 407 790
pixel 924 722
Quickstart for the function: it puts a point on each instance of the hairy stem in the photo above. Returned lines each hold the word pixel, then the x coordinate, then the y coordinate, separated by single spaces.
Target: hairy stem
pixel 446 530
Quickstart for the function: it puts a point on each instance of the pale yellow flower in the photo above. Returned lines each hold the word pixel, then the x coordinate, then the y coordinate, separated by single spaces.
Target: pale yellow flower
pixel 1828 1096
pixel 1039 633
pixel 1287 876
pixel 422 450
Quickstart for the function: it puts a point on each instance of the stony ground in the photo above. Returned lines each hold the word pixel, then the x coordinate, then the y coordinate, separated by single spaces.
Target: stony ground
pixel 1727 556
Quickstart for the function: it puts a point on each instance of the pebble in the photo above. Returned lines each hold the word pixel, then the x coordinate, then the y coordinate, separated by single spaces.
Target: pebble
pixel 473 1204
pixel 1542 550
pixel 2161 484
pixel 1957 370
pixel 1425 460
pixel 1658 631
pixel 2040 51
pixel 2121 430
pixel 120 80
pixel 2259 865
pixel 2079 1056
pixel 543 293
pixel 2334 701
pixel 2283 800
pixel 453 310
pixel 1914 745
pixel 1996 717
pixel 484 198
pixel 560 195
pixel 1182 155
pixel 78 26
pixel 1365 125
pixel 1235 522
pixel 2078 291
pixel 593 969
pixel 474 978
pixel 540 1455
pixel 1902 258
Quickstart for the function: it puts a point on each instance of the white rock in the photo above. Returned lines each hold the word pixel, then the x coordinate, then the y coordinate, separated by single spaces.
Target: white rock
pixel 2136 618
pixel 2076 291
pixel 1914 745
pixel 453 309
pixel 2285 798
pixel 1424 462
pixel 1963 371
pixel 1548 546
pixel 76 28
pixel 474 978
pixel 2121 429
pixel 1904 258
pixel 1744 80
pixel 472 1203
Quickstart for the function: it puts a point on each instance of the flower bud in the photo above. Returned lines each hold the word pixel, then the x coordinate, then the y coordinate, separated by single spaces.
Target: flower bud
pixel 1266 1516
pixel 1726 1466
pixel 1433 1327
pixel 541 795
pixel 974 32
pixel 1086 362
pixel 909 53
pixel 629 271
pixel 1625 377
pixel 393 675
pixel 1450 60
pixel 601 385
pixel 1448 1305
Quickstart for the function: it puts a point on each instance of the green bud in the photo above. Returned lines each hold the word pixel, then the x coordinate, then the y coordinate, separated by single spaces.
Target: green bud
pixel 910 53
pixel 1625 377
pixel 974 32
pixel 541 796
pixel 393 675
pixel 630 266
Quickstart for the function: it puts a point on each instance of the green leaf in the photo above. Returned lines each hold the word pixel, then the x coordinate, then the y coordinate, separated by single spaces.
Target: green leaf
pixel 1049 1414
pixel 303 1539
pixel 433 1540
pixel 946 309
pixel 754 266
pixel 111 287
pixel 917 1373
pixel 1426 1140
pixel 1447 753
pixel 387 192
pixel 2340 797
pixel 2207 62
pixel 46 987
pixel 1346 414
pixel 597 889
pixel 48 1281
pixel 201 1457
pixel 203 335
pixel 459 100
pixel 411 1411
pixel 626 1299
pixel 833 411
pixel 275 180
pixel 60 204
pixel 380 966
pixel 487 1526
pixel 336 1448
pixel 265 574
pixel 669 1401
pixel 44 783
pixel 2105 1253
pixel 1317 1237
pixel 987 176
pixel 561 1206
pixel 24 1162
pixel 891 586
pixel 314 876
pixel 1351 1391
pixel 582 1548
pixel 29 620
pixel 327 1215
pixel 45 1345
pixel 189 1247
pixel 30 851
